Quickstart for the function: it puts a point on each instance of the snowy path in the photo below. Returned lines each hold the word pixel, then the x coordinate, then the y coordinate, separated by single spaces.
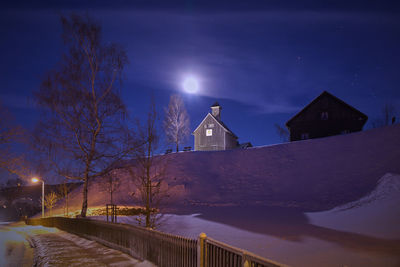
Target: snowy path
pixel 58 248
pixel 15 249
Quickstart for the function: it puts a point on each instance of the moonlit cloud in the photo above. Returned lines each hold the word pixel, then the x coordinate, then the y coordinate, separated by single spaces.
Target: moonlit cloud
pixel 263 60
pixel 262 57
pixel 286 61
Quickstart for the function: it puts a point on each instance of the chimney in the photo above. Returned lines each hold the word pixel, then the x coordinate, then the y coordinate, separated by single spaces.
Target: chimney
pixel 216 110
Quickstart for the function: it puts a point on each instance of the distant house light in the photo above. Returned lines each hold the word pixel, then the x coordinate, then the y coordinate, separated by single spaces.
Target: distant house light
pixel 209 132
pixel 304 136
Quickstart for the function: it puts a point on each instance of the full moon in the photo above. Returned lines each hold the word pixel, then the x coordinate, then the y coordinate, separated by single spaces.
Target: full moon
pixel 190 85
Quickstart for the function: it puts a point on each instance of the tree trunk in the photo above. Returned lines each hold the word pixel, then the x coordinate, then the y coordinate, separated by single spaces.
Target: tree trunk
pixel 67 203
pixel 177 147
pixel 85 197
pixel 147 202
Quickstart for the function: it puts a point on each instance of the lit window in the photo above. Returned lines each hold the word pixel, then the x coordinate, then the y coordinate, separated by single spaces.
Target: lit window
pixel 324 115
pixel 304 136
pixel 209 132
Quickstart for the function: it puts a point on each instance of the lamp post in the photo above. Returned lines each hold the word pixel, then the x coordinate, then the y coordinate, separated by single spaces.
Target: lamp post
pixel 35 180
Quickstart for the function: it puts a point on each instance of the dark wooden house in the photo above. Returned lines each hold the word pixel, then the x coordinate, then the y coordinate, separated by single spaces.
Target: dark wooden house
pixel 213 134
pixel 326 115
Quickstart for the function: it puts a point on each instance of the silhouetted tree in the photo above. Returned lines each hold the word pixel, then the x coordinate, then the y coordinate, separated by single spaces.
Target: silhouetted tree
pixel 24 206
pixel 17 182
pixel 83 131
pixel 110 183
pixel 149 171
pixel 176 121
pixel 63 192
pixel 9 135
pixel 387 116
pixel 282 132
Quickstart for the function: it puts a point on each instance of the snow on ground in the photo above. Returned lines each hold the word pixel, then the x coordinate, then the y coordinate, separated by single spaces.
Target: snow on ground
pixel 360 169
pixel 64 249
pixel 377 214
pixel 294 243
pixel 57 248
pixel 365 232
pixel 15 249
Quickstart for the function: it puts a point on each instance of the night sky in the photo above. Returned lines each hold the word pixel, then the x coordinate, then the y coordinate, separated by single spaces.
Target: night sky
pixel 262 60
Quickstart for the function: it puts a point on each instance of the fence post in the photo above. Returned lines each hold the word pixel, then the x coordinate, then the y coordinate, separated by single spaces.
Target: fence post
pixel 201 261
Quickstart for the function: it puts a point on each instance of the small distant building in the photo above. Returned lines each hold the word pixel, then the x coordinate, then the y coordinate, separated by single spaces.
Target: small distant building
pixel 326 115
pixel 213 134
pixel 245 145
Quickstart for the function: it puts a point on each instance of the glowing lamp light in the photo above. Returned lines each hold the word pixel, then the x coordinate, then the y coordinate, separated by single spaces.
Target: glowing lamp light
pixel 35 180
pixel 190 85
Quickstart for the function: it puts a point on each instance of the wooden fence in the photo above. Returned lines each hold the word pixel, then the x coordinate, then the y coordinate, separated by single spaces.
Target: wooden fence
pixel 213 253
pixel 164 250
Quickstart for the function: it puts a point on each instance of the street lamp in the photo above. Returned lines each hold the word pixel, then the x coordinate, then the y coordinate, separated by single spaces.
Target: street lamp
pixel 35 180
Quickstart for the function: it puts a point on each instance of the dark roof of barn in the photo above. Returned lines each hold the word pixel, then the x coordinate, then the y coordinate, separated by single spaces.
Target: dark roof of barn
pixel 325 93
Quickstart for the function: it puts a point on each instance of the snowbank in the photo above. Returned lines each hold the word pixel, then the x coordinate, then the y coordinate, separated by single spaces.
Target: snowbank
pixel 377 214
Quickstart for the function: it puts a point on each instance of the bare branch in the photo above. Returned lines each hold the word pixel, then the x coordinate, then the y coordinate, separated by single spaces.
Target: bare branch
pixel 176 121
pixel 149 171
pixel 84 133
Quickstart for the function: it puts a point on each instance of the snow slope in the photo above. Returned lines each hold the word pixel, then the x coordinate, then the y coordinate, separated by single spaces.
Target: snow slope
pixel 312 175
pixel 377 214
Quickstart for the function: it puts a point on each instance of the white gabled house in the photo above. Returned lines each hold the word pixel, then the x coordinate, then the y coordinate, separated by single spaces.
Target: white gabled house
pixel 213 134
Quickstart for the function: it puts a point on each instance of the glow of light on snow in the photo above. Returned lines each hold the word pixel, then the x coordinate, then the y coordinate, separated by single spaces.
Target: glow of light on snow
pixel 191 85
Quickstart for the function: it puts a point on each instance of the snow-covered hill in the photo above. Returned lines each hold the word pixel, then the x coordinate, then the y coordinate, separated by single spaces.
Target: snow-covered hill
pixel 316 174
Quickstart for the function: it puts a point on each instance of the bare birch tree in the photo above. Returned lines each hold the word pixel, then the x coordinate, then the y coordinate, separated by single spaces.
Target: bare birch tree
pixel 176 121
pixel 83 131
pixel 149 171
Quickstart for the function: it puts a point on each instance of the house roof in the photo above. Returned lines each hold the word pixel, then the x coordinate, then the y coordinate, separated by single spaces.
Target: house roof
pixel 219 122
pixel 325 93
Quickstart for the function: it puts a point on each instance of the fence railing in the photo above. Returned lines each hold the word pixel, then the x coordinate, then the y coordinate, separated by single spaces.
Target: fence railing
pixel 162 249
pixel 214 253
